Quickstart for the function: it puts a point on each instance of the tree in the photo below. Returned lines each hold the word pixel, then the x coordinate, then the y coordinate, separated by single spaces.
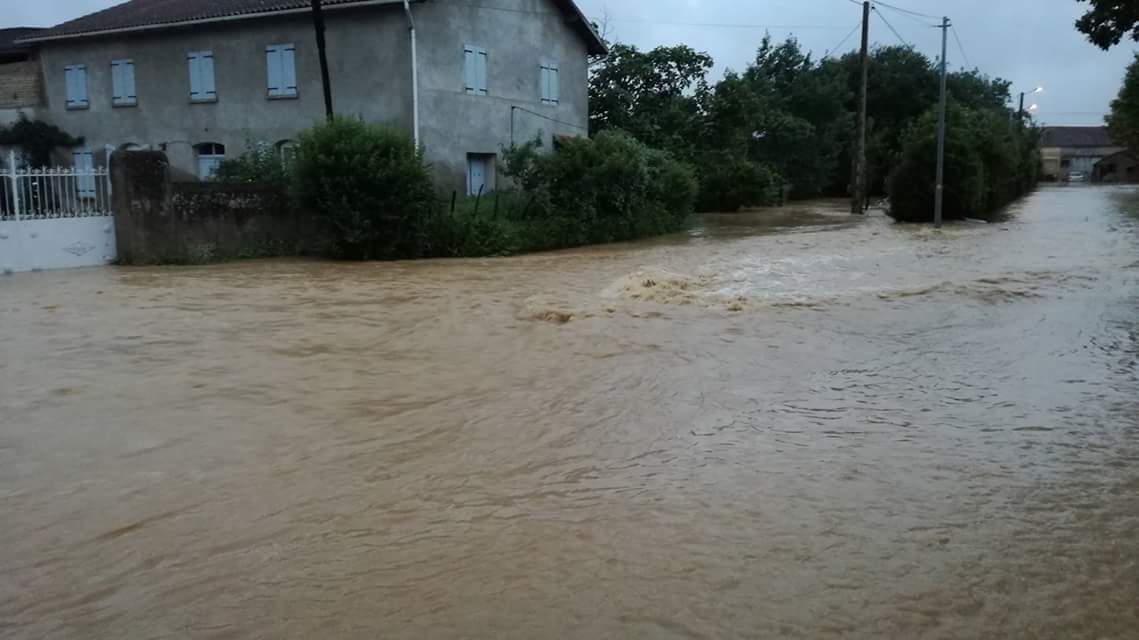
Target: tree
pixel 651 95
pixel 36 140
pixel 1124 118
pixel 1108 21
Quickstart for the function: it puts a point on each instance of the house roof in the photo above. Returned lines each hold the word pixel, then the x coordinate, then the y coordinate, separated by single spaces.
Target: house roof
pixel 1118 155
pixel 137 15
pixel 9 36
pixel 1076 137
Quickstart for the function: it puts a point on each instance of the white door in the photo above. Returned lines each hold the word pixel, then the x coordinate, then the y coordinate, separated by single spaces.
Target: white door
pixel 476 174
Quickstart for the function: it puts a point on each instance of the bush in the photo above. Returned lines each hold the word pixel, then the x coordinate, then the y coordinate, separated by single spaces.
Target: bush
pixel 604 189
pixel 260 162
pixel 369 187
pixel 989 162
pixel 728 184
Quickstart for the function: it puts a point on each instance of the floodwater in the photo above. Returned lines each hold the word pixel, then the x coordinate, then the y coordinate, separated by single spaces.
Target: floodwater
pixel 788 424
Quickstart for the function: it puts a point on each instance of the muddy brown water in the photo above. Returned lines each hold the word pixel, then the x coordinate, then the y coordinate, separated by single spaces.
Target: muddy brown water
pixel 785 424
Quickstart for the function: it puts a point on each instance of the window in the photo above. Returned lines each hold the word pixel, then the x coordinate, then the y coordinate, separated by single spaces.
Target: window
pixel 548 83
pixel 282 68
pixel 202 88
pixel 122 83
pixel 210 155
pixel 480 173
pixel 76 78
pixel 84 162
pixel 286 151
pixel 474 70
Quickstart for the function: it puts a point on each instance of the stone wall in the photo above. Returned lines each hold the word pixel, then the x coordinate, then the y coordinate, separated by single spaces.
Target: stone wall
pixel 159 221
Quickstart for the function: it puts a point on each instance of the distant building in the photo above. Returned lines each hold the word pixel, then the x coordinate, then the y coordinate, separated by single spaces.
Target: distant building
pixel 1122 167
pixel 1067 150
pixel 21 90
pixel 198 78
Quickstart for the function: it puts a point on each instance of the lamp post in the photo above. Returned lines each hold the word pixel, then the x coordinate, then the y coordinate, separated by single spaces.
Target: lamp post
pixel 1020 111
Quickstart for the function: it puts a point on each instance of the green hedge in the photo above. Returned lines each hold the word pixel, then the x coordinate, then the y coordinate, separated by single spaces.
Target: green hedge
pixel 369 187
pixel 989 162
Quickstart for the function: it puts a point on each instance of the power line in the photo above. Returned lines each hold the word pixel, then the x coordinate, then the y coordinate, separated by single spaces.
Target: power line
pixel 960 48
pixel 892 28
pixel 912 13
pixel 724 25
pixel 857 25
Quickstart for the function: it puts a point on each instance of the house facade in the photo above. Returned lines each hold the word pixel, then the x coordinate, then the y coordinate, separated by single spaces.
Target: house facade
pixel 199 79
pixel 1068 150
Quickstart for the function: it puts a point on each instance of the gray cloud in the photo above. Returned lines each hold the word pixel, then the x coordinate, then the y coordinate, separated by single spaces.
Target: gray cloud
pixel 1030 42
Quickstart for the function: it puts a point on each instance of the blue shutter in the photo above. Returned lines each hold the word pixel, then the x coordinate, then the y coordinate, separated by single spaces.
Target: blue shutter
pixel 470 81
pixel 75 78
pixel 480 71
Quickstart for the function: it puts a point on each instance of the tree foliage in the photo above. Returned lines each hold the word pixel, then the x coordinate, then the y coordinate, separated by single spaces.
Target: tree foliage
pixel 1123 121
pixel 368 186
pixel 36 140
pixel 784 119
pixel 1107 22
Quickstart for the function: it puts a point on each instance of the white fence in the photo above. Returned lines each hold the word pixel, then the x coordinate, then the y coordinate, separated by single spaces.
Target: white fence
pixel 55 218
pixel 55 192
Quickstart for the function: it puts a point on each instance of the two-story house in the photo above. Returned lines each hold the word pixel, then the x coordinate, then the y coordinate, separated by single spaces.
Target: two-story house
pixel 200 78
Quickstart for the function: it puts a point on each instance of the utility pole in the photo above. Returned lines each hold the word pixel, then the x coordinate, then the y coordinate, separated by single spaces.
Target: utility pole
pixel 318 24
pixel 858 189
pixel 940 189
pixel 1020 111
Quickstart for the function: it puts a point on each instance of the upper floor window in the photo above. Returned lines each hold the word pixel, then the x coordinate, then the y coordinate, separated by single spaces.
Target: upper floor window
pixel 281 61
pixel 75 77
pixel 122 83
pixel 210 155
pixel 202 87
pixel 474 70
pixel 548 83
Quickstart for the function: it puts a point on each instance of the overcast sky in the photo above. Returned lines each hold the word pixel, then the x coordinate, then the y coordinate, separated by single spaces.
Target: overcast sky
pixel 1030 42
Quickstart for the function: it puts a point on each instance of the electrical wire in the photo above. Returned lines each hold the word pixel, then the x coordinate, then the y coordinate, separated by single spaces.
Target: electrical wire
pixel 912 13
pixel 959 47
pixel 857 25
pixel 892 28
pixel 724 25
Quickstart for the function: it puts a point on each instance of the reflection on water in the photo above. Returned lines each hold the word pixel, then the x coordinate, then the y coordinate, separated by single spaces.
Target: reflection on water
pixel 782 424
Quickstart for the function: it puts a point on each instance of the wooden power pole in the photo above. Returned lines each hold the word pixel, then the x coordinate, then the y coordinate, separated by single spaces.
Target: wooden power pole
pixel 318 25
pixel 939 190
pixel 858 188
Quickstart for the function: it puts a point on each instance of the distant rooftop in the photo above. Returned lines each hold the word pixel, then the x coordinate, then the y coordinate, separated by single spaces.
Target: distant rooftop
pixel 1076 137
pixel 9 36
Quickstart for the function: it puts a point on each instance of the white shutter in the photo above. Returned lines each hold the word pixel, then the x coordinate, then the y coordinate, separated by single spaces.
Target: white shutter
pixel 554 88
pixel 122 82
pixel 480 71
pixel 275 72
pixel 75 78
pixel 208 76
pixel 128 82
pixel 289 69
pixel 84 163
pixel 469 74
pixel 202 87
pixel 282 71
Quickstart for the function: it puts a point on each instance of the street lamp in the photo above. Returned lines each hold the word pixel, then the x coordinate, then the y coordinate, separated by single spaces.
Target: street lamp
pixel 1020 111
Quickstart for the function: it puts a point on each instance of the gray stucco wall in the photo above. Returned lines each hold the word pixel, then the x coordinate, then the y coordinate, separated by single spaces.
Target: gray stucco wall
pixel 369 63
pixel 518 36
pixel 369 57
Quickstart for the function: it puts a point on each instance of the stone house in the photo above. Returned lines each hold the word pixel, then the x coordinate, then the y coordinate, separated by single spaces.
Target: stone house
pixel 20 88
pixel 199 79
pixel 1068 150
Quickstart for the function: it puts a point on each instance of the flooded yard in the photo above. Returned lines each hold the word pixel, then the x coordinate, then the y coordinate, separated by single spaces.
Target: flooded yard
pixel 790 424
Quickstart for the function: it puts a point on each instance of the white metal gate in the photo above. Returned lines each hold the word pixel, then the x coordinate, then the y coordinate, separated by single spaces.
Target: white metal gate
pixel 55 218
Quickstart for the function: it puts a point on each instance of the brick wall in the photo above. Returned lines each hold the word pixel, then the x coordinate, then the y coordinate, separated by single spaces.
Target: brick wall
pixel 20 85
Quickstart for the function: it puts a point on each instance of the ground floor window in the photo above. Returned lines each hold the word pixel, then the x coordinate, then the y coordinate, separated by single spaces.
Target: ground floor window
pixel 209 155
pixel 480 173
